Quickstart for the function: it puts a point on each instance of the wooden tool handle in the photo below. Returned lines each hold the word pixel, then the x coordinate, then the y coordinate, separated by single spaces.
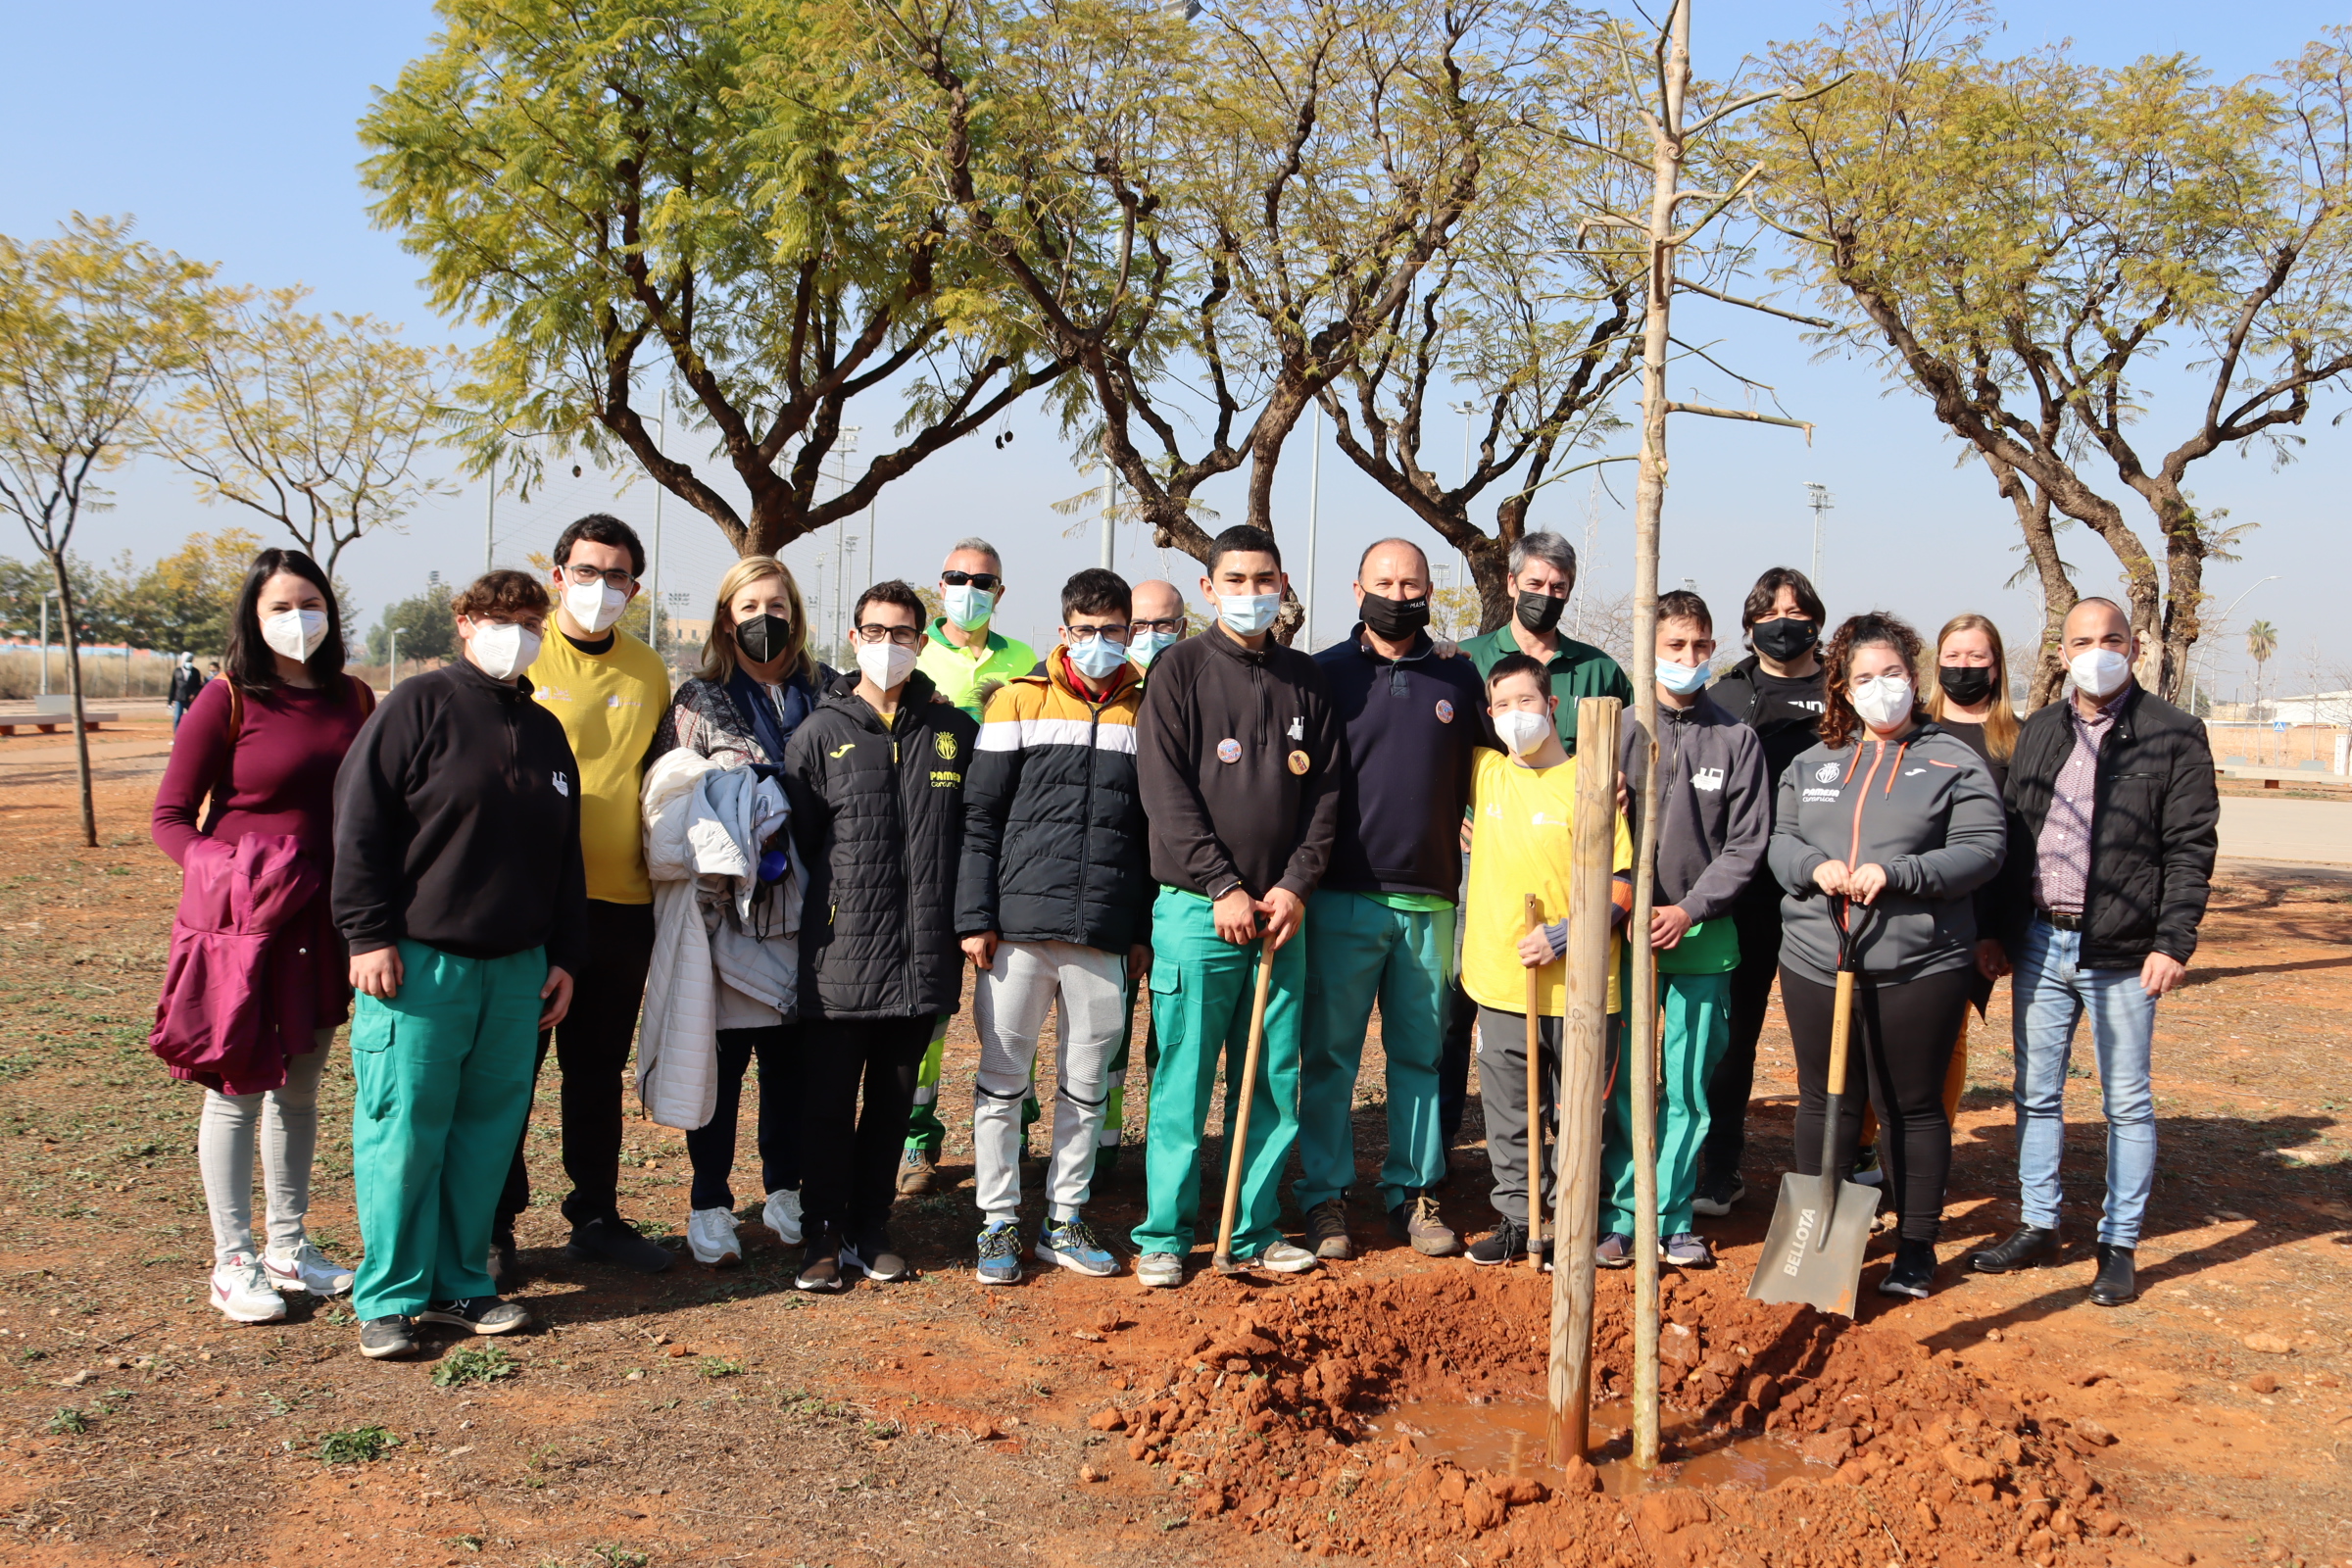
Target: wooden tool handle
pixel 1237 1120
pixel 1841 1022
pixel 1535 1099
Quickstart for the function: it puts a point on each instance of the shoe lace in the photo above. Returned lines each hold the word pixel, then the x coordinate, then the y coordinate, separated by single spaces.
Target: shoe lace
pixel 1077 1236
pixel 1000 1241
pixel 1329 1215
pixel 1425 1209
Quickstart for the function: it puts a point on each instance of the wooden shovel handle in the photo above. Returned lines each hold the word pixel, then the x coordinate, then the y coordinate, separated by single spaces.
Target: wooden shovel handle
pixel 1237 1122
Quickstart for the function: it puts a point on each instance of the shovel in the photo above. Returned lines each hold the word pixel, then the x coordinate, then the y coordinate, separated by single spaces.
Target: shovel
pixel 1238 1123
pixel 1813 1252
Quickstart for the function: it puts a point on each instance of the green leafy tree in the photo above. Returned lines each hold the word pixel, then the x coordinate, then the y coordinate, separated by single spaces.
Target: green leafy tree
pixel 427 628
pixel 314 422
pixel 2035 245
pixel 595 182
pixel 94 324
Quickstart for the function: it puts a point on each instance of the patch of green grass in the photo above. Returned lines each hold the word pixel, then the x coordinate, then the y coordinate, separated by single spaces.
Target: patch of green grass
pixel 719 1366
pixel 32 1354
pixel 618 1557
pixel 68 1422
pixel 358 1446
pixel 465 1543
pixel 475 1363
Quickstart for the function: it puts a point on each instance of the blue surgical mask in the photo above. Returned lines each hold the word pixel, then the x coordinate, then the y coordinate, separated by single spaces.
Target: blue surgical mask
pixel 1248 614
pixel 1146 644
pixel 1097 660
pixel 1681 680
pixel 970 607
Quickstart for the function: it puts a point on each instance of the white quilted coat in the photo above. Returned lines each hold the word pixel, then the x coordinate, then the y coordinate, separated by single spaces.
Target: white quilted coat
pixel 702 826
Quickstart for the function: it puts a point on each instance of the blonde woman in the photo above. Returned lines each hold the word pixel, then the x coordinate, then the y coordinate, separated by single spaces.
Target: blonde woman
pixel 756 683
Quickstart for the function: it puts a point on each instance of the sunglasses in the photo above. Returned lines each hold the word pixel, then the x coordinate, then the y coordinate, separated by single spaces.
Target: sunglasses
pixel 988 582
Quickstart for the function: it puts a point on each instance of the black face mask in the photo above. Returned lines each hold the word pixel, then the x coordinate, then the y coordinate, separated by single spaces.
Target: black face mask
pixel 1965 684
pixel 762 637
pixel 1786 640
pixel 1539 612
pixel 1393 618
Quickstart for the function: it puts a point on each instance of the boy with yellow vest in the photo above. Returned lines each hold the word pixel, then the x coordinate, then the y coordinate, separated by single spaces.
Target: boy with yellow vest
pixel 1524 806
pixel 608 691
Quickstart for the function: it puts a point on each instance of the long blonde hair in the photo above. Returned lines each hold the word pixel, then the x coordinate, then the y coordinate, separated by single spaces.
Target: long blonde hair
pixel 718 650
pixel 2001 720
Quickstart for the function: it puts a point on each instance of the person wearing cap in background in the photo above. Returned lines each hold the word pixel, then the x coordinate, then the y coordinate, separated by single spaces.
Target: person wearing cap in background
pixel 1159 623
pixel 1777 692
pixel 967 659
pixel 1543 569
pixel 1379 925
pixel 186 681
pixel 608 691
pixel 2116 816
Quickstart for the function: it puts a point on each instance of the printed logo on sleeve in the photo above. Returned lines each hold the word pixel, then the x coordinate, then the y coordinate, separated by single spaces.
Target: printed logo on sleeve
pixel 562 784
pixel 1706 778
pixel 1229 749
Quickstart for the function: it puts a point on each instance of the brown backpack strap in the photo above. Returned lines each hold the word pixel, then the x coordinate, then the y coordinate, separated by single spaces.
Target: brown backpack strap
pixel 237 731
pixel 365 693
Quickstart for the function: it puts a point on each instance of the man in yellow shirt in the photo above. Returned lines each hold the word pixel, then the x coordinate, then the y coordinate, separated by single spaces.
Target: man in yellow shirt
pixel 608 691
pixel 1524 805
pixel 967 659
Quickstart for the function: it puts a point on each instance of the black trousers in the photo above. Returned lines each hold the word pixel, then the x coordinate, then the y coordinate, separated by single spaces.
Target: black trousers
pixel 592 1047
pixel 1757 919
pixel 851 1152
pixel 1900 1039
pixel 711 1146
pixel 1461 1017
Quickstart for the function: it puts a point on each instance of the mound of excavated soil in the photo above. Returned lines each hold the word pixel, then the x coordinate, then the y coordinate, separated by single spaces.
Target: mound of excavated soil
pixel 1899 1456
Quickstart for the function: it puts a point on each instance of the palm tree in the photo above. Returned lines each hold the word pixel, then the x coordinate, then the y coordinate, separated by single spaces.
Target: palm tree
pixel 2262 641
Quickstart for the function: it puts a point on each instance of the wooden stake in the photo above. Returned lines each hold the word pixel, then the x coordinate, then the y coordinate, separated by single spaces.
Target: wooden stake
pixel 1535 1101
pixel 1584 1037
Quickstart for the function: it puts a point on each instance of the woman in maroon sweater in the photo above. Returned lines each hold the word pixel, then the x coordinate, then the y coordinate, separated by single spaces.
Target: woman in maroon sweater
pixel 257 754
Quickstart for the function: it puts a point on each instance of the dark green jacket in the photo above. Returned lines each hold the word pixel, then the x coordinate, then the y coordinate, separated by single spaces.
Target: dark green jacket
pixel 1578 669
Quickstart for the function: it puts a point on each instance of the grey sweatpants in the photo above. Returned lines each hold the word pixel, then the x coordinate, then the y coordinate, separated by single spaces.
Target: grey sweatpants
pixel 1010 1005
pixel 1503 1092
pixel 286 1119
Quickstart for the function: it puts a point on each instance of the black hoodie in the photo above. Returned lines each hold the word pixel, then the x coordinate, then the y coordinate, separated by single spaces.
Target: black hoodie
pixel 458 823
pixel 878 812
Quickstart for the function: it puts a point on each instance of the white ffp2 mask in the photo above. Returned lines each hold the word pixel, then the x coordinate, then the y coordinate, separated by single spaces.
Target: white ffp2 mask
pixel 2101 672
pixel 502 649
pixel 1522 729
pixel 594 605
pixel 295 633
pixel 886 664
pixel 1881 701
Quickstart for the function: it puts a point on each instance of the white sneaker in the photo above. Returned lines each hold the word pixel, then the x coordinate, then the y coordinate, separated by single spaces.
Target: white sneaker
pixel 309 1269
pixel 1161 1271
pixel 710 1237
pixel 1284 1258
pixel 242 1291
pixel 783 1214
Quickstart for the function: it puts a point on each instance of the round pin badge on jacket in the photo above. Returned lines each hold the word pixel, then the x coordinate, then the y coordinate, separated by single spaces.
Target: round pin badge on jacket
pixel 1298 763
pixel 1229 749
pixel 1445 712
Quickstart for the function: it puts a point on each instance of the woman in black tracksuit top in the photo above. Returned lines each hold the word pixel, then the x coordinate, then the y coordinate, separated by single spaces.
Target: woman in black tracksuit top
pixel 1886 826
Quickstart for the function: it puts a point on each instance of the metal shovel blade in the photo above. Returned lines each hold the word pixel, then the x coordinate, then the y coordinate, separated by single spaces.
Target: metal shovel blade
pixel 1799 1264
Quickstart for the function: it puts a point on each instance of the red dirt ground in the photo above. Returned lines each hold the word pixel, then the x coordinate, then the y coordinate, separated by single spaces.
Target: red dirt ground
pixel 702 1419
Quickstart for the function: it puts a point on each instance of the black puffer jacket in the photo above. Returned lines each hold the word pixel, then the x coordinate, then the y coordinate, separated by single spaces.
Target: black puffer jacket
pixel 2154 828
pixel 1053 832
pixel 877 814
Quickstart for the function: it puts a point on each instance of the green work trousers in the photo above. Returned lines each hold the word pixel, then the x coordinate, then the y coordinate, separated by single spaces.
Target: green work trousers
pixel 1202 992
pixel 441 1086
pixel 924 1130
pixel 1359 950
pixel 1697 1012
pixel 1114 1109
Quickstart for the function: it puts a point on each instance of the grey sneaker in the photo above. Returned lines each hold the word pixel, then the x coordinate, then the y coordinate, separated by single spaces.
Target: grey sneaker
pixel 1416 1220
pixel 1616 1251
pixel 387 1339
pixel 478 1314
pixel 1327 1229
pixel 1284 1258
pixel 1687 1251
pixel 1160 1270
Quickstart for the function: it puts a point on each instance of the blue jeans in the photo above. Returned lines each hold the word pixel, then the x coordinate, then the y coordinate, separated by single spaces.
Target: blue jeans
pixel 2048 995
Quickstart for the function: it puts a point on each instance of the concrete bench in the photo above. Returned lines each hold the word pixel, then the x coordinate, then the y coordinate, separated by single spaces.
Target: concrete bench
pixel 50 724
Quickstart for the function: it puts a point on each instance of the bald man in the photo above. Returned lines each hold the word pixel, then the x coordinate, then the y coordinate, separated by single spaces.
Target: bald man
pixel 1158 623
pixel 2114 829
pixel 1379 925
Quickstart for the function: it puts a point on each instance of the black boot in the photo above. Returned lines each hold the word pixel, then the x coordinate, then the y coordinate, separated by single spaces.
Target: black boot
pixel 2029 1246
pixel 1913 1271
pixel 2115 1283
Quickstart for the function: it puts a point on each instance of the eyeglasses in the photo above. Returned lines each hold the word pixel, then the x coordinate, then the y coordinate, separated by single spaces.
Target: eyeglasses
pixel 1167 628
pixel 988 582
pixel 1080 636
pixel 618 578
pixel 903 636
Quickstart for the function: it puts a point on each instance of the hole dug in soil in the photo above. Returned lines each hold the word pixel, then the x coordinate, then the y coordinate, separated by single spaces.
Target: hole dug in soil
pixel 1336 1415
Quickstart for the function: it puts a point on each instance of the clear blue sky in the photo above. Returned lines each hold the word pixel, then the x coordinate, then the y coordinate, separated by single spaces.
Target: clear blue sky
pixel 229 129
